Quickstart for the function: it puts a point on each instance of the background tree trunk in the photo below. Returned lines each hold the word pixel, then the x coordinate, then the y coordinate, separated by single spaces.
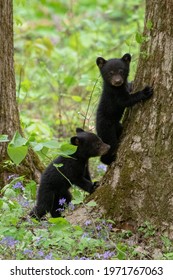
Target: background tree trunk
pixel 138 187
pixel 9 115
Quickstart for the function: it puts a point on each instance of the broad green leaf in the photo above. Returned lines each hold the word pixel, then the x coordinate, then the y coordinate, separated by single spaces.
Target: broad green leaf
pixel 37 147
pixel 17 154
pixel 59 224
pixel 52 144
pixel 43 152
pixel 91 203
pixel 68 149
pixel 18 140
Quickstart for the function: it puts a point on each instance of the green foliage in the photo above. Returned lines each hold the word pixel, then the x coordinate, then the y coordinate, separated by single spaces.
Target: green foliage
pixel 62 42
pixel 24 238
pixel 18 147
pixel 56 238
pixel 147 229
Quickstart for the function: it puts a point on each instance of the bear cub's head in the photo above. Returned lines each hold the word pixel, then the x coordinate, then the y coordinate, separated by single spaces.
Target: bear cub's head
pixel 115 70
pixel 89 144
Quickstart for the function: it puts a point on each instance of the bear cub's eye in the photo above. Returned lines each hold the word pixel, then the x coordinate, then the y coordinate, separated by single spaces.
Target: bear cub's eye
pixel 111 72
pixel 120 71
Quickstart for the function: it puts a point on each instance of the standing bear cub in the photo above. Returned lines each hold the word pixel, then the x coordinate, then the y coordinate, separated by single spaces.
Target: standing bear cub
pixel 114 99
pixel 55 182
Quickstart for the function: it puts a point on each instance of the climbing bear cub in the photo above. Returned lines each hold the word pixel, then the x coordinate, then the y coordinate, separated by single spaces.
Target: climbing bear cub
pixel 55 182
pixel 114 99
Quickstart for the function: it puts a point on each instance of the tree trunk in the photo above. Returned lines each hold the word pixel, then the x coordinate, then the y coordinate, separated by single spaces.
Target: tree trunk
pixel 138 186
pixel 9 115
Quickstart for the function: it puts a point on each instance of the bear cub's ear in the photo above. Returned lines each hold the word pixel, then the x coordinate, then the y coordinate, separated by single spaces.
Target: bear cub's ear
pixel 100 61
pixel 126 57
pixel 78 130
pixel 75 141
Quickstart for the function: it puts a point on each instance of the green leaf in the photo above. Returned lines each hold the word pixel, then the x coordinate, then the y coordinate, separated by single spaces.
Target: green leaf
pixel 68 149
pixel 37 147
pixel 77 98
pixel 52 144
pixel 59 221
pixel 17 154
pixel 58 165
pixel 18 140
pixel 59 224
pixel 9 193
pixel 4 138
pixel 91 203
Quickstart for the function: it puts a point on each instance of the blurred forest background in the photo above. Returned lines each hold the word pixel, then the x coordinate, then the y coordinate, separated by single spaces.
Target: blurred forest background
pixel 56 46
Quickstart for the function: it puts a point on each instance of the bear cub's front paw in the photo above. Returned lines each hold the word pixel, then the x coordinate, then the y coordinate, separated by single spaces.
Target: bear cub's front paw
pixel 147 92
pixel 95 186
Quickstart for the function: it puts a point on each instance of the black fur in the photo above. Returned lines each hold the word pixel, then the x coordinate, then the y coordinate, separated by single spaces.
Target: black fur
pixel 55 183
pixel 114 99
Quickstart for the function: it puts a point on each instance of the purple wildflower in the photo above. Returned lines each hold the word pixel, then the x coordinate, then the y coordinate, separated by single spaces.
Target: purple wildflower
pixel 71 206
pixel 107 255
pixel 102 167
pixel 98 227
pixel 87 222
pixel 48 257
pixel 40 253
pixel 110 226
pixel 24 204
pixel 18 185
pixel 9 241
pixel 37 239
pixel 62 201
pixel 22 201
pixel 28 252
pixel 12 176
pixel 85 234
pixel 82 258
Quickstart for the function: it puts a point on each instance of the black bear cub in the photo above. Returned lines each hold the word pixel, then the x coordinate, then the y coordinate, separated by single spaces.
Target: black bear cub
pixel 114 99
pixel 55 182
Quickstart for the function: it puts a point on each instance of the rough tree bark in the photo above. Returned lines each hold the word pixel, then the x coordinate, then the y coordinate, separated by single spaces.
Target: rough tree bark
pixel 9 115
pixel 138 186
